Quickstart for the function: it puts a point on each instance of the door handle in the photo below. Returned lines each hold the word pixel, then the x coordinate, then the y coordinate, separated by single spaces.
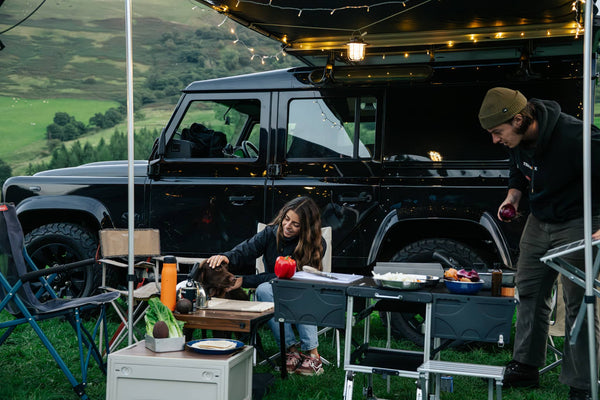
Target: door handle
pixel 385 296
pixel 240 200
pixel 363 197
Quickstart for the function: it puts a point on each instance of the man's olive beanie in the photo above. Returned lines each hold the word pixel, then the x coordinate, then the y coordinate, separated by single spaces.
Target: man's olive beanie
pixel 499 106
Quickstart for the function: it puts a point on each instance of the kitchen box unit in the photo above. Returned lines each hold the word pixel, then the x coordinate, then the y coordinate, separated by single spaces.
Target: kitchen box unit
pixel 343 305
pixel 137 373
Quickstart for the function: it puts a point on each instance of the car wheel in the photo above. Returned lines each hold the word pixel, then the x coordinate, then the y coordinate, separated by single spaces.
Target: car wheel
pixel 410 324
pixel 62 243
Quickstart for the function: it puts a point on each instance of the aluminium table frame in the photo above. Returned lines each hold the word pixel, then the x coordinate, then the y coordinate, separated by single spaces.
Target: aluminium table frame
pixel 383 294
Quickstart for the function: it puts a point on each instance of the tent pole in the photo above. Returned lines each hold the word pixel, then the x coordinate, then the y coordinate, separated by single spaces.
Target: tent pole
pixel 588 107
pixel 130 170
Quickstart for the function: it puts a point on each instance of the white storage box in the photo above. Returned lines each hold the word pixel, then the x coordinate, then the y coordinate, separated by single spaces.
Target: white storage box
pixel 137 373
pixel 163 345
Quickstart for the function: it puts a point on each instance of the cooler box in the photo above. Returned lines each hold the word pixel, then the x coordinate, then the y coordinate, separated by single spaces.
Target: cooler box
pixel 137 373
pixel 309 303
pixel 477 318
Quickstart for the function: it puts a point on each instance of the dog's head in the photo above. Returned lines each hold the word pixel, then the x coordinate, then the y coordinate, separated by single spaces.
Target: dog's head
pixel 215 281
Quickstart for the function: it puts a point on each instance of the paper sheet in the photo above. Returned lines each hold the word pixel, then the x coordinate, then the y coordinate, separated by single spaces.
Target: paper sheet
pixel 239 305
pixel 341 278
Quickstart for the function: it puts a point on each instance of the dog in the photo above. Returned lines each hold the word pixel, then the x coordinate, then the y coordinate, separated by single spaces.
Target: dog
pixel 216 282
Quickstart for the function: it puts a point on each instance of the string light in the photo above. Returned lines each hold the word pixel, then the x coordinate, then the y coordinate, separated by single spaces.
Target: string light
pixel 331 11
pixel 577 6
pixel 251 50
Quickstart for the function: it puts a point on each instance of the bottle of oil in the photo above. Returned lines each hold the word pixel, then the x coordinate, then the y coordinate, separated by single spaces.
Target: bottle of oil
pixel 497 282
pixel 168 282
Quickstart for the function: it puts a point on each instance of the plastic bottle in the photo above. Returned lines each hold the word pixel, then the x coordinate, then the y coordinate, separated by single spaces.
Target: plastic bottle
pixel 168 285
pixel 496 282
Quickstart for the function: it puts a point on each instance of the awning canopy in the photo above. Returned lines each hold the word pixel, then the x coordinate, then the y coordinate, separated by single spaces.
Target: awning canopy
pixel 315 29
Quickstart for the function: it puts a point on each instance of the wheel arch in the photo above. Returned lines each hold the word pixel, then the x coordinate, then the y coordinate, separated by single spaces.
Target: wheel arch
pixel 86 212
pixel 484 235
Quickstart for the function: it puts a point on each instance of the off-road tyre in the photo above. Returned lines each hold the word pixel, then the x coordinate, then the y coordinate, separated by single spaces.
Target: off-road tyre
pixel 61 243
pixel 409 325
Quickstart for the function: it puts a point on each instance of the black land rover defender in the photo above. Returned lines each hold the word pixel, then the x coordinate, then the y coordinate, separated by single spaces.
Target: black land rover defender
pixel 391 150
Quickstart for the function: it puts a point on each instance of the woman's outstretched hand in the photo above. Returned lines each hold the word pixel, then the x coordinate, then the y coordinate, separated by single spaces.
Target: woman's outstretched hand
pixel 213 261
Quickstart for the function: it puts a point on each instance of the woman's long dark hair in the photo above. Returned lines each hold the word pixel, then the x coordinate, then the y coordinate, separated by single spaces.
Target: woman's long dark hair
pixel 309 250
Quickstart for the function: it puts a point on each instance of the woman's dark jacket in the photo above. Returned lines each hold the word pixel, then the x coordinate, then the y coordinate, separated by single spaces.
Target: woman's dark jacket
pixel 264 244
pixel 552 172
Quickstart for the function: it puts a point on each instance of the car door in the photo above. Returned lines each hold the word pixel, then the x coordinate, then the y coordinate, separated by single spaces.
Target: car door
pixel 325 146
pixel 205 201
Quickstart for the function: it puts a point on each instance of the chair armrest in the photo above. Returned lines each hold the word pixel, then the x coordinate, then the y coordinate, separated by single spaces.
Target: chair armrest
pixel 33 275
pixel 139 264
pixel 114 263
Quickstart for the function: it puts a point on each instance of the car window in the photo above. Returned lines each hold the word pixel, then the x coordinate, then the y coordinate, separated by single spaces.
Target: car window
pixel 218 129
pixel 436 125
pixel 341 127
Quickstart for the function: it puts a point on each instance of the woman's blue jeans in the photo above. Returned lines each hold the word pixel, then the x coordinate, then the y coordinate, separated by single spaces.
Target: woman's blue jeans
pixel 307 333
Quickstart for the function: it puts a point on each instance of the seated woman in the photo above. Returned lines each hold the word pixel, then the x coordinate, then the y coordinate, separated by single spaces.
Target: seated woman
pixel 296 231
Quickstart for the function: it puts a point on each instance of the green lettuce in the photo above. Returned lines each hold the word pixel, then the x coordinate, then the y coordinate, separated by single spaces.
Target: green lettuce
pixel 157 311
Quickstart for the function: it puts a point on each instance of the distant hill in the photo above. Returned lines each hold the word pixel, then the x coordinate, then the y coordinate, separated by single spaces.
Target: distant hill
pixel 76 49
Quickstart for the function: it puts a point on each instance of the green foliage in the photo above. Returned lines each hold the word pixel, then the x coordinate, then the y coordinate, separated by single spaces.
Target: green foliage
pixel 206 54
pixel 112 117
pixel 65 127
pixel 62 118
pixel 115 149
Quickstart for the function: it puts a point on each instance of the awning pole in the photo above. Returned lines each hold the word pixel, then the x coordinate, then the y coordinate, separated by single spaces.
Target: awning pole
pixel 588 107
pixel 130 170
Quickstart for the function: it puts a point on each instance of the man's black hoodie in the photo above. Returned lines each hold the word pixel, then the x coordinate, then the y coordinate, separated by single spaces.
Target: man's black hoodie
pixel 551 172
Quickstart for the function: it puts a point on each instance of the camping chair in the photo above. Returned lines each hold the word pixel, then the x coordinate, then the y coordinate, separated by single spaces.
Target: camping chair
pixel 115 249
pixel 557 325
pixel 19 277
pixel 326 233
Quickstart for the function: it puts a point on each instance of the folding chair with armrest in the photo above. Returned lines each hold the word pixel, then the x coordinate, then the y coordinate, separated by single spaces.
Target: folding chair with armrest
pixel 17 275
pixel 114 245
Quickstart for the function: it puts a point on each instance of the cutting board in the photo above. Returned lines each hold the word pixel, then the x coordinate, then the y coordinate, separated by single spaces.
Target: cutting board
pixel 239 305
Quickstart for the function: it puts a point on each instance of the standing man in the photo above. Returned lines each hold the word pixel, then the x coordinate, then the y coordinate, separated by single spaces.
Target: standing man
pixel 546 154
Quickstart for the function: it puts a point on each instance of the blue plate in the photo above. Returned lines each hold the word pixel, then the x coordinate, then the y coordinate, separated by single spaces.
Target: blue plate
pixel 457 287
pixel 238 345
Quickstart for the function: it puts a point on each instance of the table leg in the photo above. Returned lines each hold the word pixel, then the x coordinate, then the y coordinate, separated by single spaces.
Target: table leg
pixel 256 341
pixel 282 350
pixel 188 333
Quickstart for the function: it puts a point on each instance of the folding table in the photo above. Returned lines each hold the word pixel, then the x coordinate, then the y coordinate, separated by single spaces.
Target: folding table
pixel 228 320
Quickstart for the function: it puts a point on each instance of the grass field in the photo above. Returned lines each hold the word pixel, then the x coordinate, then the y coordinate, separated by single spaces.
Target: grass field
pixel 29 373
pixel 29 118
pixel 23 124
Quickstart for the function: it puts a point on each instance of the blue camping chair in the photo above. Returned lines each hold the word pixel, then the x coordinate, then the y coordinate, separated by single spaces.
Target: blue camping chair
pixel 22 285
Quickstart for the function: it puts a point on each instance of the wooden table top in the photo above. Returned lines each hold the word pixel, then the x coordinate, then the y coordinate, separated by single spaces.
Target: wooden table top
pixel 227 320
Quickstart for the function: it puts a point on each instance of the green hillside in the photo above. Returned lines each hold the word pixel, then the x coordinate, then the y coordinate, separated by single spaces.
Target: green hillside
pixel 69 57
pixel 77 49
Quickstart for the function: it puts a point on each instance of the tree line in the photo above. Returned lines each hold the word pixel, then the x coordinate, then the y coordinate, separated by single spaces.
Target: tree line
pixel 181 59
pixel 113 149
pixel 65 127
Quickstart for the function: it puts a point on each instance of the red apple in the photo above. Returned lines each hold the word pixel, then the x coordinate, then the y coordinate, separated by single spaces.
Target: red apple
pixel 507 212
pixel 285 267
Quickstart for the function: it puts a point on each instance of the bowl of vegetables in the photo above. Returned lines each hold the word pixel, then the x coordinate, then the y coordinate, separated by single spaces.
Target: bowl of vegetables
pixel 462 281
